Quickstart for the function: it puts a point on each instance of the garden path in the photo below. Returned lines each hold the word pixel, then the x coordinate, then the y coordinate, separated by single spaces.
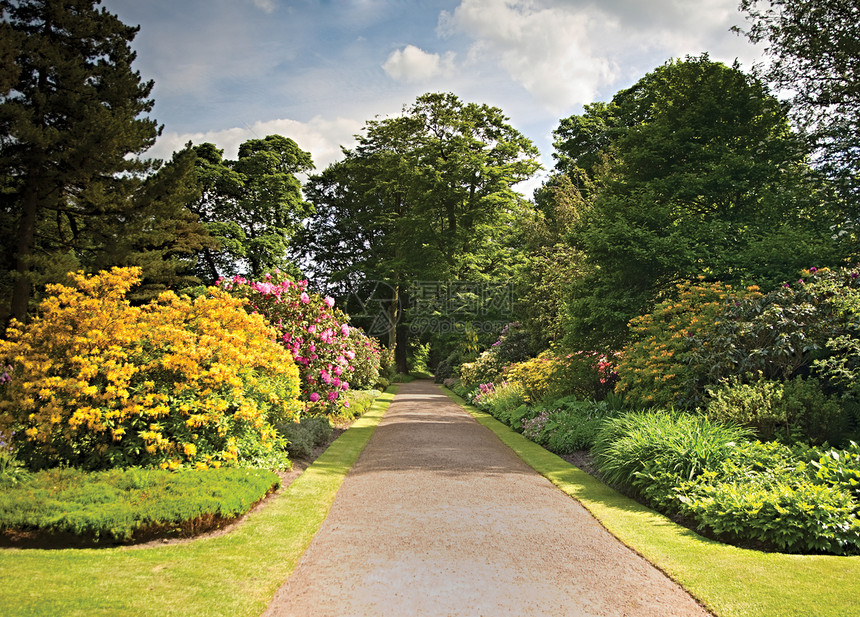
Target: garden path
pixel 438 517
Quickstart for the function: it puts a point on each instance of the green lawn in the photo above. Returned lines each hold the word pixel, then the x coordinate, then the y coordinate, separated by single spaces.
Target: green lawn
pixel 230 575
pixel 729 581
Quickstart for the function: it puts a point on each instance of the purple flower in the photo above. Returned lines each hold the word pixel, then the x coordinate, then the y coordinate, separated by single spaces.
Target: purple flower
pixel 813 269
pixel 314 397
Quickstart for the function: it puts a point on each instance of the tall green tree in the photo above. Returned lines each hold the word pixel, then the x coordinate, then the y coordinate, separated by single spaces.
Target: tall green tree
pixel 252 206
pixel 426 195
pixel 701 175
pixel 72 115
pixel 814 50
pixel 551 266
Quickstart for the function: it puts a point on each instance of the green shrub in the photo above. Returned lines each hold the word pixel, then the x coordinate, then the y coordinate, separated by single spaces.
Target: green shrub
pixel 366 363
pixel 534 376
pixel 358 402
pixel 419 358
pixel 387 364
pixel 514 344
pixel 304 436
pixel 779 513
pixel 486 369
pixel 656 367
pixel 562 426
pixel 743 492
pixel 631 447
pixel 132 504
pixel 449 367
pixel 499 400
pixel 575 426
pixel 584 374
pixel 797 410
pixel 840 468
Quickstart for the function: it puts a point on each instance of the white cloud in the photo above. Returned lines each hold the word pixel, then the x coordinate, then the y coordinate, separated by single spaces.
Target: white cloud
pixel 413 65
pixel 549 50
pixel 321 137
pixel 267 6
pixel 569 52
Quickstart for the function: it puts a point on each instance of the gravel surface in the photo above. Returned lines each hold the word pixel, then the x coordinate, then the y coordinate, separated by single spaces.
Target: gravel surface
pixel 438 517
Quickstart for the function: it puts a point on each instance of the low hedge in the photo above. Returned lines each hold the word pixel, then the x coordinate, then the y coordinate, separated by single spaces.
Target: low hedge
pixel 69 506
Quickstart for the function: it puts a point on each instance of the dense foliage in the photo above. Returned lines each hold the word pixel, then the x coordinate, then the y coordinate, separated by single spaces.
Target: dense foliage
pixel 699 174
pixel 66 139
pixel 424 196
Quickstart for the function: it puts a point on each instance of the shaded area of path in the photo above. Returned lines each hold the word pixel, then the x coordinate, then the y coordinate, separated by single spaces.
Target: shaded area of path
pixel 438 517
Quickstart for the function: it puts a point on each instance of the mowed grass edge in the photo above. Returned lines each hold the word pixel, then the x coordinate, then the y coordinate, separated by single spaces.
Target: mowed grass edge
pixel 729 581
pixel 233 574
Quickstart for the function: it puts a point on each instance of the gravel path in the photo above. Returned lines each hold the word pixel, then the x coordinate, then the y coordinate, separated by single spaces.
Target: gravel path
pixel 438 517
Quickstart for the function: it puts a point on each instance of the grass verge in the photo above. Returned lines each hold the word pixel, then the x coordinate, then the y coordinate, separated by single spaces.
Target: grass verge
pixel 729 581
pixel 234 574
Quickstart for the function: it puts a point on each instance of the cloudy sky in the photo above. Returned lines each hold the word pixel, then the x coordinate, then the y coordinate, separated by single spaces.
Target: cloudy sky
pixel 316 70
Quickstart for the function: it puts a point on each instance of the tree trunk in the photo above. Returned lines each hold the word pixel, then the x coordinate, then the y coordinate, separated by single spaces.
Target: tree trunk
pixel 25 246
pixel 393 317
pixel 401 351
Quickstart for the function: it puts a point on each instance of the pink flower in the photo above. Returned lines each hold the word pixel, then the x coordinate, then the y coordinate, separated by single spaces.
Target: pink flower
pixel 344 329
pixel 332 396
pixel 350 354
pixel 345 385
pixel 314 397
pixel 346 404
pixel 338 371
pixel 305 298
pixel 312 328
pixel 329 301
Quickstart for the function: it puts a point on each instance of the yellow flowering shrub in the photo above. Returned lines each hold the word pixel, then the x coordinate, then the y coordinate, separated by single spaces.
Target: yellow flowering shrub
pixel 535 376
pixel 656 368
pixel 96 382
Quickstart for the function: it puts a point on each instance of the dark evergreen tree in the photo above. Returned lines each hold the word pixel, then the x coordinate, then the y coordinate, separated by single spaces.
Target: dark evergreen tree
pixel 71 114
pixel 154 229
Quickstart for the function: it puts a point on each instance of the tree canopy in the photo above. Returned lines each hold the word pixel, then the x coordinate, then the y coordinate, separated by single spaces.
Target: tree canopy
pixel 252 206
pixel 692 171
pixel 814 49
pixel 426 195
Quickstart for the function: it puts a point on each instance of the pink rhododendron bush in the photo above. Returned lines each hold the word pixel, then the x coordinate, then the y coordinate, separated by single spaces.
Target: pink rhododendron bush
pixel 312 329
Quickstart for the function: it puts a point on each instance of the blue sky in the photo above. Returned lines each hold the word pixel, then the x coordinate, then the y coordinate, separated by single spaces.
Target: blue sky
pixel 230 70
